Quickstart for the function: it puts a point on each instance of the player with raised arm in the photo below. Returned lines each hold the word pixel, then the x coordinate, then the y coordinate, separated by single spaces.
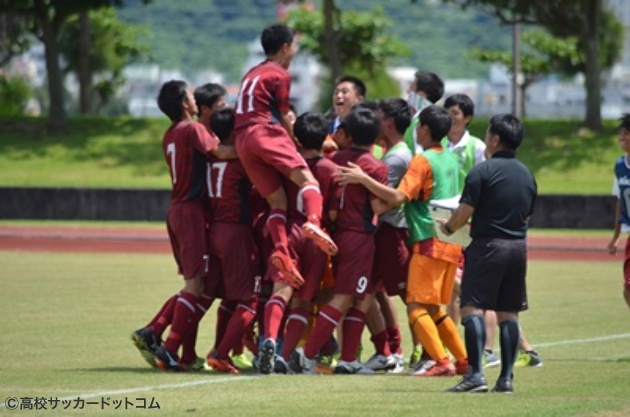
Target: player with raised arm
pixel 267 151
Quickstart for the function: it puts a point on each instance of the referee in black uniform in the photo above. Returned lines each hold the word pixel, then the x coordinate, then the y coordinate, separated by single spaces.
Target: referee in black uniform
pixel 499 194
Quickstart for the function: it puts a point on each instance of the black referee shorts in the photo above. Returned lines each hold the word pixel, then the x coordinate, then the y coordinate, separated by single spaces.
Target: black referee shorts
pixel 494 275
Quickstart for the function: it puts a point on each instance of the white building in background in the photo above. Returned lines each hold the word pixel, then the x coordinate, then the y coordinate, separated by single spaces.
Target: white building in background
pixel 306 75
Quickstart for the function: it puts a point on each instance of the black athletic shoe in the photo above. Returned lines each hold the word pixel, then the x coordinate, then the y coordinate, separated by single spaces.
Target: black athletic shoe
pixel 471 383
pixel 147 343
pixel 167 361
pixel 266 357
pixel 503 386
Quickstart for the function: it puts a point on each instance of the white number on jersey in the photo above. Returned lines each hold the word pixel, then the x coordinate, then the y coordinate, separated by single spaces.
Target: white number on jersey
pixel 170 150
pixel 220 167
pixel 362 285
pixel 249 96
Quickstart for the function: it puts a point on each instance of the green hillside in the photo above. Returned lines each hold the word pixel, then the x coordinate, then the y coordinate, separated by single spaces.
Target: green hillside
pixel 200 34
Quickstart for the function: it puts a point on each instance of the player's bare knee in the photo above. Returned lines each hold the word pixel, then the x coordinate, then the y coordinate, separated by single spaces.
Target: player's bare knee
pixel 277 199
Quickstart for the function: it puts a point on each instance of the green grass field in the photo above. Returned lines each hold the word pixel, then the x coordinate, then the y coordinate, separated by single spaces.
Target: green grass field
pixel 67 319
pixel 126 153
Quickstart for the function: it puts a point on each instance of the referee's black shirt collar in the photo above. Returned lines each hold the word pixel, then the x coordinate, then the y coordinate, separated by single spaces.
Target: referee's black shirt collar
pixel 504 154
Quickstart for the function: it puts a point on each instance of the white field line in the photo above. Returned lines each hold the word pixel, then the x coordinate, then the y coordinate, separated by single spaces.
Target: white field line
pixel 243 378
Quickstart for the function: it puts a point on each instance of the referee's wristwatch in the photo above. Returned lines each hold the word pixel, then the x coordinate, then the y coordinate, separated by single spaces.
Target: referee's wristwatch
pixel 447 229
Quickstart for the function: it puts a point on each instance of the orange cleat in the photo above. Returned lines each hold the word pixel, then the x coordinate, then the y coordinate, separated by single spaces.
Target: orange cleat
pixel 443 367
pixel 221 365
pixel 320 237
pixel 287 268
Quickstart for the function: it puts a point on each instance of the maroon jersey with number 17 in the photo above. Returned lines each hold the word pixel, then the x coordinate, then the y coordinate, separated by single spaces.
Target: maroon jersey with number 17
pixel 186 145
pixel 228 191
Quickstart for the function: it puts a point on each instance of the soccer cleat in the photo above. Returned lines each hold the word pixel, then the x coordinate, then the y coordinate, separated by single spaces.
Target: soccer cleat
pixel 320 238
pixel 530 358
pixel 266 357
pixel 167 361
pixel 224 365
pixel 241 361
pixel 461 366
pixel 470 383
pixel 442 367
pixel 196 365
pixel 415 356
pixel 421 367
pixel 354 367
pixel 300 364
pixel 380 362
pixel 503 386
pixel 399 368
pixel 287 268
pixel 280 366
pixel 490 359
pixel 147 343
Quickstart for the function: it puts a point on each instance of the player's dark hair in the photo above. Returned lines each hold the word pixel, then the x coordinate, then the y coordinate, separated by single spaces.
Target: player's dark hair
pixel 399 110
pixel 359 85
pixel 431 84
pixel 222 123
pixel 508 128
pixel 362 126
pixel 310 130
pixel 274 36
pixel 624 121
pixel 208 94
pixel 438 120
pixel 293 109
pixel 170 98
pixel 366 105
pixel 463 101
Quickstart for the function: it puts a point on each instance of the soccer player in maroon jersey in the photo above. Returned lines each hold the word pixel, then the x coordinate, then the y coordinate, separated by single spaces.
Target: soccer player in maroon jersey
pixel 310 131
pixel 352 267
pixel 267 151
pixel 186 145
pixel 233 252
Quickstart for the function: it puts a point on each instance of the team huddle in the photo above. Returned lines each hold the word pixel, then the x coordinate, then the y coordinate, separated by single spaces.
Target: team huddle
pixel 307 227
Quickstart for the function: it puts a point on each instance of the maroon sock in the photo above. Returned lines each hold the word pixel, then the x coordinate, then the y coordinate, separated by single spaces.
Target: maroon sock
pixel 352 329
pixel 260 314
pixel 183 321
pixel 394 338
pixel 164 317
pixel 277 227
pixel 330 347
pixel 274 312
pixel 294 329
pixel 242 317
pixel 380 343
pixel 312 201
pixel 325 324
pixel 189 353
pixel 224 314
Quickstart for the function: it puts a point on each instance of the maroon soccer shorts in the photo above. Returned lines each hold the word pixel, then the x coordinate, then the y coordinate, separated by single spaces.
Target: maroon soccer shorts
pixel 267 152
pixel 186 226
pixel 311 262
pixel 232 246
pixel 352 267
pixel 391 259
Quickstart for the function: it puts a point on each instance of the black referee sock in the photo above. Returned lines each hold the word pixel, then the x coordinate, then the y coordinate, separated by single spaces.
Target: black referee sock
pixel 509 336
pixel 475 337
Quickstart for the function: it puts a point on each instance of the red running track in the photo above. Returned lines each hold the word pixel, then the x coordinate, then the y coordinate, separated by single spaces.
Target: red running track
pixel 155 240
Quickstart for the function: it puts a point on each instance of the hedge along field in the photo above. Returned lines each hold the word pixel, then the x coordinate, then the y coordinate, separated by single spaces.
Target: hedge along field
pixel 126 153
